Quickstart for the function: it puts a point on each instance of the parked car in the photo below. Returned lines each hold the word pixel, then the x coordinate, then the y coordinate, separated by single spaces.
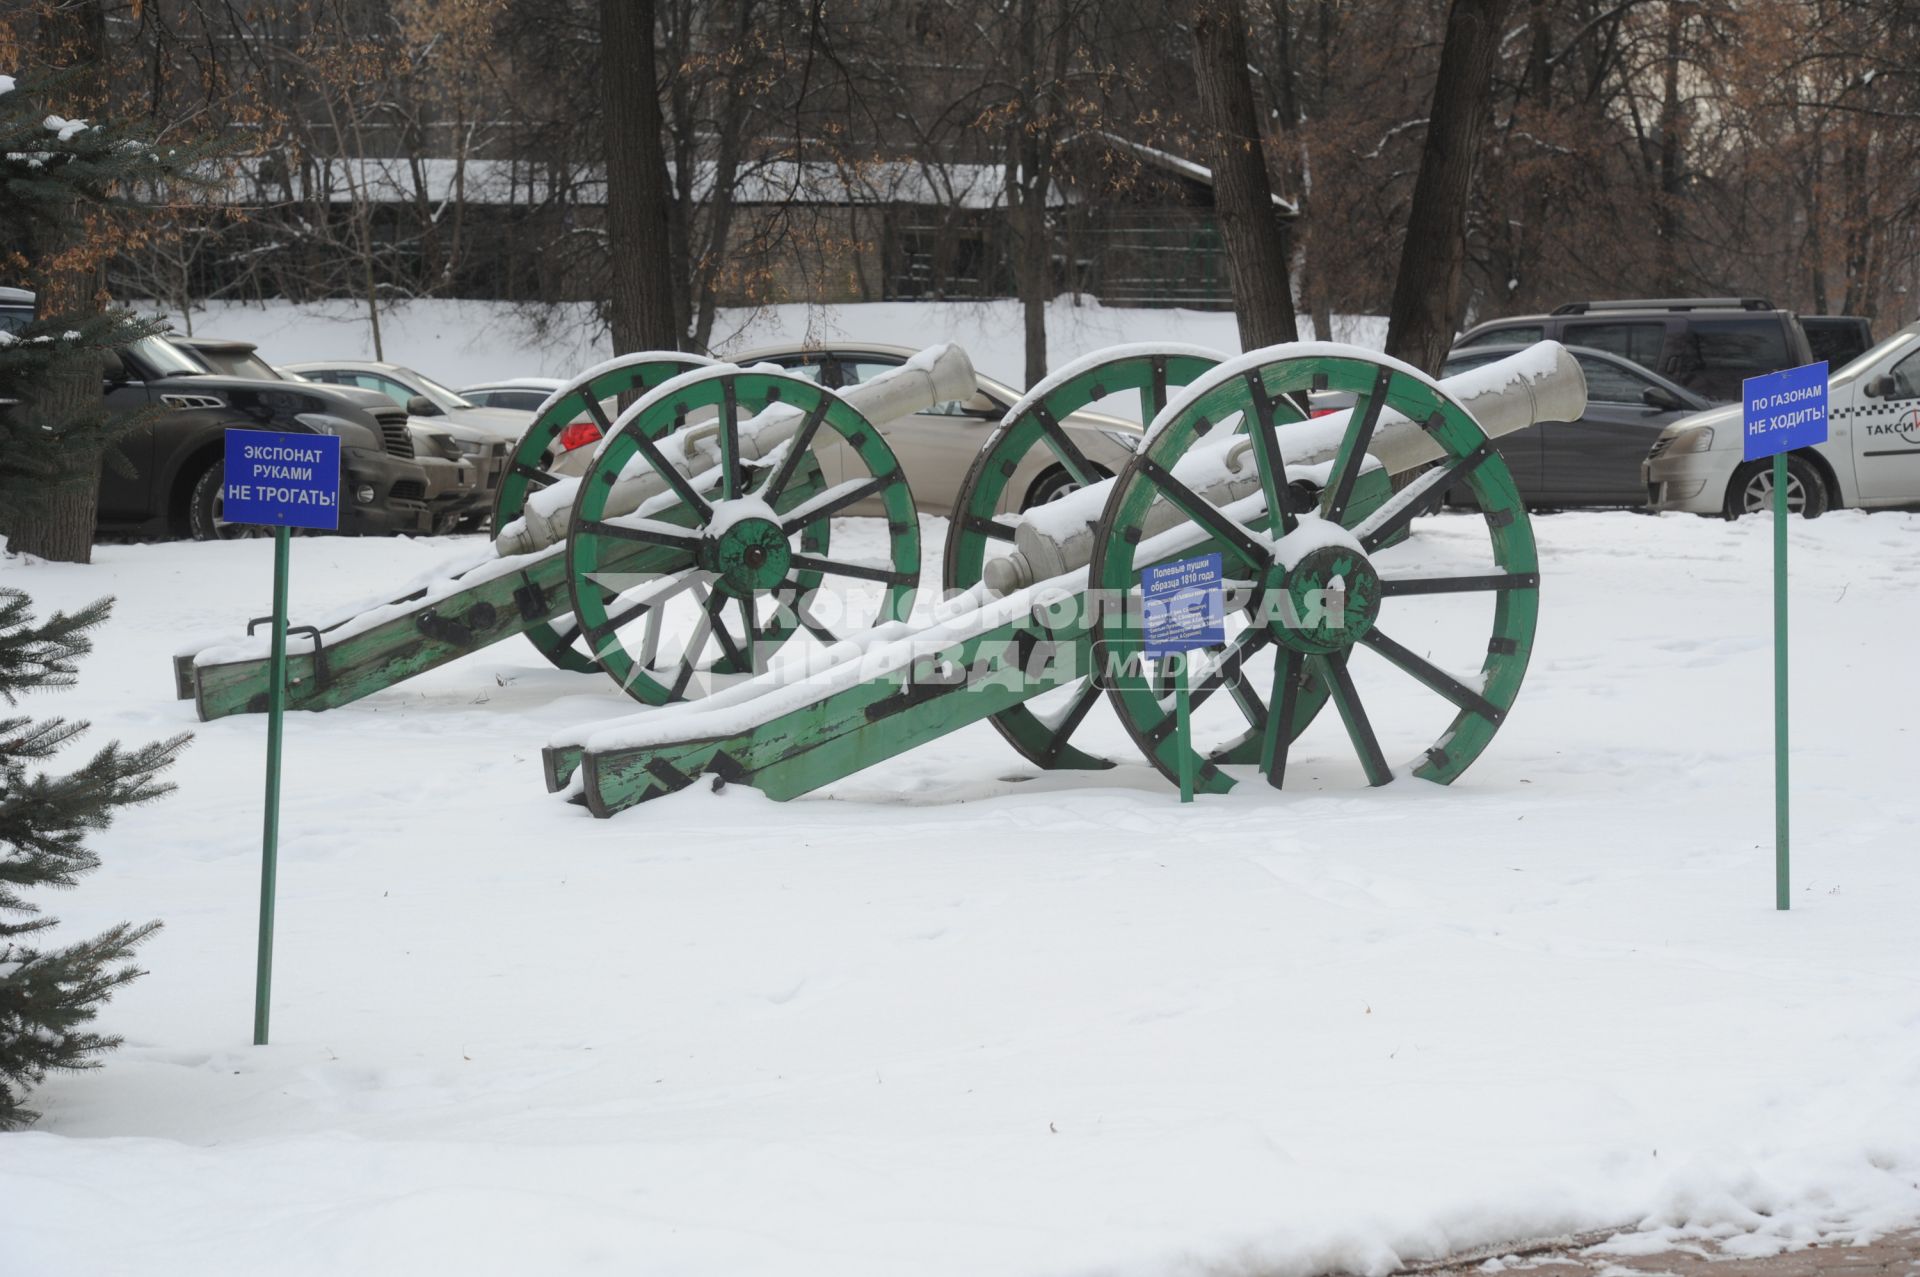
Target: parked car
pixel 16 309
pixel 464 466
pixel 1871 458
pixel 420 395
pixel 1708 345
pixel 177 457
pixel 1838 339
pixel 570 455
pixel 525 394
pixel 1595 460
pixel 937 446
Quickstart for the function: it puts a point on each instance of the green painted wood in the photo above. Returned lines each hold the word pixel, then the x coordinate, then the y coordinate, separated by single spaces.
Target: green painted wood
pixel 849 730
pixel 528 470
pixel 1358 499
pixel 977 525
pixel 729 391
pixel 430 634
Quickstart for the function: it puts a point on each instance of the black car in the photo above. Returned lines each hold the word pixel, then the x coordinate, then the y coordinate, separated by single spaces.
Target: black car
pixel 1595 460
pixel 177 455
pixel 171 486
pixel 16 309
pixel 461 473
pixel 1708 345
pixel 1838 339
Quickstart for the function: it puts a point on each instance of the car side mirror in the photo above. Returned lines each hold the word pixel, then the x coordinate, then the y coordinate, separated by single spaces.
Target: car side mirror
pixel 1662 398
pixel 421 406
pixel 113 369
pixel 983 405
pixel 1880 388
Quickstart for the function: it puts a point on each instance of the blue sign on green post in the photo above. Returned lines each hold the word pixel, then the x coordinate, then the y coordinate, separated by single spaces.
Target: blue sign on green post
pixel 282 481
pixel 1184 607
pixel 1780 412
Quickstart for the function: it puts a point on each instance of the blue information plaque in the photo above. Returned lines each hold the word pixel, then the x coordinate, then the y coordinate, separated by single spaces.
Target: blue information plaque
pixel 282 480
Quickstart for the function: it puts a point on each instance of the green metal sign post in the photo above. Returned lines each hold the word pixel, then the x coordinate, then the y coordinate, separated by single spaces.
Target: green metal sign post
pixel 1183 610
pixel 1780 791
pixel 283 481
pixel 1183 725
pixel 270 836
pixel 1781 412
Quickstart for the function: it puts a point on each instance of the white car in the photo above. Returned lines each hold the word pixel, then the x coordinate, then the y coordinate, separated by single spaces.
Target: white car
pixel 1871 459
pixel 523 393
pixel 420 395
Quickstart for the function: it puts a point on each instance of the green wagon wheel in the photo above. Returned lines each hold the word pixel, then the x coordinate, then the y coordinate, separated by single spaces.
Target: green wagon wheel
pixel 753 518
pixel 1031 441
pixel 532 465
pixel 1315 591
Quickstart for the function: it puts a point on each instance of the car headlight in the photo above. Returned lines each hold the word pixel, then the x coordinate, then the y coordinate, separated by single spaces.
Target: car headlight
pixel 320 423
pixel 468 448
pixel 1124 439
pixel 1698 439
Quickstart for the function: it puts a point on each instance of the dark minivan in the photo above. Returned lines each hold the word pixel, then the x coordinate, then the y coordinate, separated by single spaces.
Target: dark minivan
pixel 1838 339
pixel 1707 344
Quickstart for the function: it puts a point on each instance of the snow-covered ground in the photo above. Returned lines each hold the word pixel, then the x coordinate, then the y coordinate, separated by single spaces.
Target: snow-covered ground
pixel 465 342
pixel 953 1017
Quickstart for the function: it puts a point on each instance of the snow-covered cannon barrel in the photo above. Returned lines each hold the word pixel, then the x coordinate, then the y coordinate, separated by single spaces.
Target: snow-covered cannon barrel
pixel 717 485
pixel 1043 616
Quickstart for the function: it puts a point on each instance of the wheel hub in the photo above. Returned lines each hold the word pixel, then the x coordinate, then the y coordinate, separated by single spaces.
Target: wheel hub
pixel 1325 603
pixel 751 555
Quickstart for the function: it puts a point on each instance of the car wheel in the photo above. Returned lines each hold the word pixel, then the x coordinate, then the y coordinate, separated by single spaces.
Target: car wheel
pixel 1053 483
pixel 204 509
pixel 1751 489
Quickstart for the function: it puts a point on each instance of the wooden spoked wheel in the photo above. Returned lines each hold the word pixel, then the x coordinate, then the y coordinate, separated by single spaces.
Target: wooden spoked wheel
pixel 1313 590
pixel 981 526
pixel 742 532
pixel 531 468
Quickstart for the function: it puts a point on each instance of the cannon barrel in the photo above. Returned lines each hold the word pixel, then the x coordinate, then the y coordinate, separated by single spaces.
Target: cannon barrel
pixel 1541 383
pixel 933 376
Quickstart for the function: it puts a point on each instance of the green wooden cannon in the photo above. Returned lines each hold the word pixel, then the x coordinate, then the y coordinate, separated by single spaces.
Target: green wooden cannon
pixel 699 446
pixel 1041 618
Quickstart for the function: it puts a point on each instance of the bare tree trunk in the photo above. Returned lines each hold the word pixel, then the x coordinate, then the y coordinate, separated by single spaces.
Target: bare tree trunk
pixel 1816 216
pixel 1027 195
pixel 1667 209
pixel 1257 265
pixel 720 201
pixel 62 529
pixel 642 288
pixel 1426 290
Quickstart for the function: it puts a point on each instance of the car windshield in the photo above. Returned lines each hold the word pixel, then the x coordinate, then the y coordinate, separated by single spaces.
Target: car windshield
pixel 439 393
pixel 166 358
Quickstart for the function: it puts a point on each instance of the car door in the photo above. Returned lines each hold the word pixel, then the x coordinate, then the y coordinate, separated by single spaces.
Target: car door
pixel 1640 341
pixel 128 496
pixel 817 367
pixel 1596 460
pixel 1886 428
pixel 935 447
pixel 1520 450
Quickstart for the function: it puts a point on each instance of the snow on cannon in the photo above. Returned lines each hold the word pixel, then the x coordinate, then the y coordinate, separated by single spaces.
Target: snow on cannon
pixel 1042 615
pixel 726 483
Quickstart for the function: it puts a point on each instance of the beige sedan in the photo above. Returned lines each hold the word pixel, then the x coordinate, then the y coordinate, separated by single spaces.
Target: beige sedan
pixel 937 446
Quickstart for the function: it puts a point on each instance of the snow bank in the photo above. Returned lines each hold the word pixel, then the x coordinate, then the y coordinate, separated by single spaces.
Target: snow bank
pixel 955 1017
